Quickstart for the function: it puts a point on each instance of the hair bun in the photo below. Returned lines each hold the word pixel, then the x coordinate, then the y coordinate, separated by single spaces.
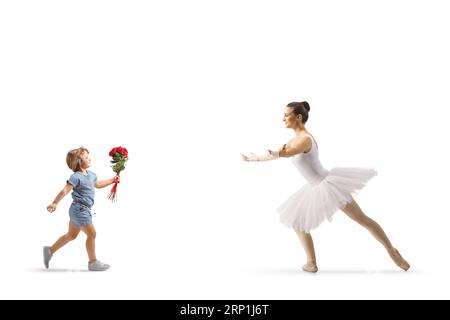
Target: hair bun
pixel 306 105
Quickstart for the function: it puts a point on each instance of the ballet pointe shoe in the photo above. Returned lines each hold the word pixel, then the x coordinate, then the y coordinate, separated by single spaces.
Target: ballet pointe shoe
pixel 310 267
pixel 398 259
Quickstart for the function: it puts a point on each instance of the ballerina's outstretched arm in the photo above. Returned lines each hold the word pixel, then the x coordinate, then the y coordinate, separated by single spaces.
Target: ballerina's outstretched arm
pixel 295 146
pixel 270 155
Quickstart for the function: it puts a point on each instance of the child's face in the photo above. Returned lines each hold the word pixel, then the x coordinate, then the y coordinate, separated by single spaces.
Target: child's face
pixel 85 160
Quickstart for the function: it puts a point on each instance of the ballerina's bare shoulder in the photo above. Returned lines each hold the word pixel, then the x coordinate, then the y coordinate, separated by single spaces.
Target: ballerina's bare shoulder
pixel 301 144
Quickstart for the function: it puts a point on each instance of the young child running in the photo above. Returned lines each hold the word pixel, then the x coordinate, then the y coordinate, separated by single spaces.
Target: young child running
pixel 81 183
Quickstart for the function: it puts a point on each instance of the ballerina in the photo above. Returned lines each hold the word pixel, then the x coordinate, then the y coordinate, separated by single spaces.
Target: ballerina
pixel 326 192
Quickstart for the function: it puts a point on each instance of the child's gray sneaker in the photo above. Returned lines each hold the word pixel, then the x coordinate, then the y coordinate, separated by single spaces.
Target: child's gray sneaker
pixel 47 256
pixel 97 266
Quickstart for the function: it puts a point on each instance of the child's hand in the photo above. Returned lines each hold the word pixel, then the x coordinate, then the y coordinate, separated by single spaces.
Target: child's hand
pixel 51 208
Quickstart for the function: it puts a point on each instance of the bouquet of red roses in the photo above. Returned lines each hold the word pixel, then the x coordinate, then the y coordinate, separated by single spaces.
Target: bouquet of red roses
pixel 119 158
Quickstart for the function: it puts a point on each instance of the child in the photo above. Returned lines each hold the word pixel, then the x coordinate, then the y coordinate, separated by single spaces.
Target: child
pixel 81 183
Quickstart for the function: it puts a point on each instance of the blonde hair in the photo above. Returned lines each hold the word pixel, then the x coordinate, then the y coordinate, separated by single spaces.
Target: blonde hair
pixel 73 158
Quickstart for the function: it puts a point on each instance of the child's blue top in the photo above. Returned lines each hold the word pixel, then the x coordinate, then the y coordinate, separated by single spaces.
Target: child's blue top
pixel 83 187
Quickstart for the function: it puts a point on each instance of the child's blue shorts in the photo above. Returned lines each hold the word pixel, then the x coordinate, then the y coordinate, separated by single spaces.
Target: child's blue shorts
pixel 80 215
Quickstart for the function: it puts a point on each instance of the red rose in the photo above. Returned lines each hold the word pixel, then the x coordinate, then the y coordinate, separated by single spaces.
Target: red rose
pixel 112 152
pixel 122 151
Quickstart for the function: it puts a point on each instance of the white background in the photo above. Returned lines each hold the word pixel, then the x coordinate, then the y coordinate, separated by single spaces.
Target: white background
pixel 186 86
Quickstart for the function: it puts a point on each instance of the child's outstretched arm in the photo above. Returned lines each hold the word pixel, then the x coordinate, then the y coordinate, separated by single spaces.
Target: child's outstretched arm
pixel 107 182
pixel 52 207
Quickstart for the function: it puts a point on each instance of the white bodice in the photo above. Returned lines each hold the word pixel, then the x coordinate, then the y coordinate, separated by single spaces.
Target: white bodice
pixel 309 164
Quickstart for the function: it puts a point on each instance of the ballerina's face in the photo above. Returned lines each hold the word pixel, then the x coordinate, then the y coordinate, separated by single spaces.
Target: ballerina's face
pixel 290 119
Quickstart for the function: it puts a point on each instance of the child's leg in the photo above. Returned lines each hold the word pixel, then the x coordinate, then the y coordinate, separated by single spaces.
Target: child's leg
pixel 90 241
pixel 63 240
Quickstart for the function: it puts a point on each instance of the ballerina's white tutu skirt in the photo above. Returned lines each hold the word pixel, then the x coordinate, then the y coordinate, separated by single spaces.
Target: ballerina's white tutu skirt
pixel 307 208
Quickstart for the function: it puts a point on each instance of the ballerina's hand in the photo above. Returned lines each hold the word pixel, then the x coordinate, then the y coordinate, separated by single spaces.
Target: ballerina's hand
pixel 270 155
pixel 249 157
